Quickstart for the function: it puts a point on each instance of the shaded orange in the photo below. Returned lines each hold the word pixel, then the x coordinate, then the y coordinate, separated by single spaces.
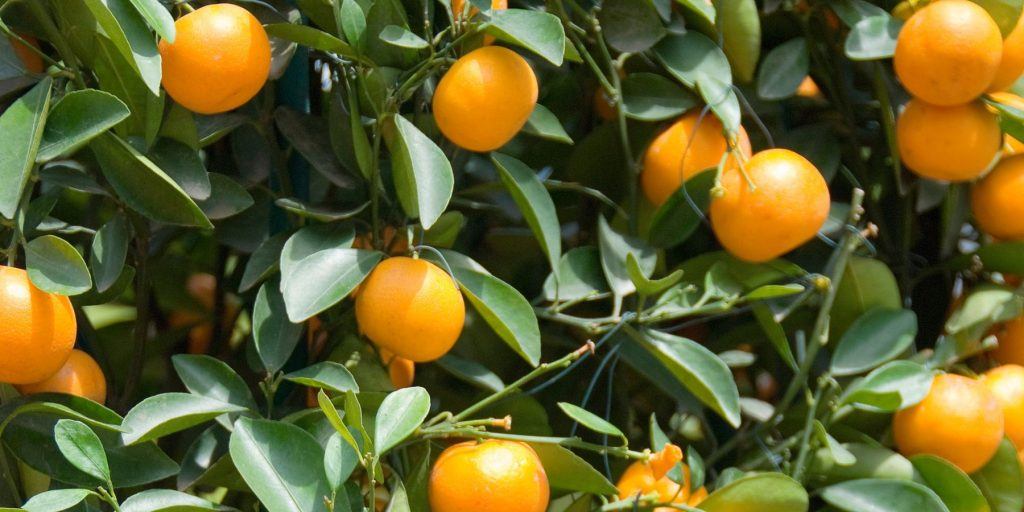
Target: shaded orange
pixel 997 200
pixel 401 370
pixel 485 98
pixel 410 307
pixel 495 475
pixel 219 60
pixel 603 106
pixel 959 420
pixel 687 147
pixel 79 376
pixel 955 143
pixel 639 480
pixel 1010 336
pixel 1011 65
pixel 32 61
pixel 37 329
pixel 1007 384
pixel 948 53
pixel 787 206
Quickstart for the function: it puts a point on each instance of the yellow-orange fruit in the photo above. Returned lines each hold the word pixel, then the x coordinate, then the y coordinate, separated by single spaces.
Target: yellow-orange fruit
pixel 786 207
pixel 948 53
pixel 808 89
pixel 639 479
pixel 219 60
pixel 485 98
pixel 459 5
pixel 948 143
pixel 997 200
pixel 687 147
pixel 1010 336
pixel 1012 63
pixel 1007 384
pixel 959 420
pixel 80 376
pixel 37 329
pixel 410 307
pixel 492 476
pixel 1010 144
pixel 400 370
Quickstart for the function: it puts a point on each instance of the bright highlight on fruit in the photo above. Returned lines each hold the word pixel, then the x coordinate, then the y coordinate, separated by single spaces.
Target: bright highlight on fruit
pixel 775 205
pixel 80 376
pixel 485 98
pixel 37 329
pixel 492 476
pixel 410 307
pixel 219 60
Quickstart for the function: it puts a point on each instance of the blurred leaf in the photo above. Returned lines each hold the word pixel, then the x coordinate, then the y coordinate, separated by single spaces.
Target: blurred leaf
pixel 109 249
pixel 537 31
pixel 873 38
pixel 630 25
pixel 1004 12
pixel 166 500
pixel 984 307
pixel 783 69
pixel 878 336
pixel 580 275
pixel 340 459
pixel 740 26
pixel 542 123
pixel 678 218
pixel 853 11
pixel 883 496
pixel 651 97
pixel 952 485
pixel 56 267
pixel 76 119
pixel 402 37
pixel 765 492
pixel 264 261
pixel 325 375
pixel 227 198
pixel 840 455
pixel 353 22
pixel 55 500
pixel 310 136
pixel 82 448
pixel 212 378
pixel 590 420
pixel 1001 480
pixel 400 414
pixel 535 203
pixel 568 471
pixel 22 125
pixel 311 37
pixel 646 286
pixel 167 413
pixel 894 386
pixel 274 335
pixel 870 462
pixel 1006 257
pixel 471 372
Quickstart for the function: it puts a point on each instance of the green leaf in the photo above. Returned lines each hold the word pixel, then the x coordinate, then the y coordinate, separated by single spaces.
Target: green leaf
pixel 698 369
pixel 873 38
pixel 871 462
pixel 630 26
pixel 839 454
pixel 1004 12
pixel 282 464
pixel 579 275
pixel 783 69
pixel 1001 481
pixel 471 372
pixel 402 37
pixel 764 492
pixel 323 279
pixel 537 31
pixel 692 56
pixel 894 386
pixel 740 26
pixel 311 240
pixel 543 123
pixel 263 262
pixel 720 96
pixel 568 471
pixel 648 287
pixel 56 267
pixel 877 337
pixel 590 420
pixel 340 459
pixel 883 496
pixel 1006 257
pixel 109 249
pixel 534 202
pixel 56 500
pixel 212 378
pixel 614 249
pixel 702 8
pixel 325 375
pixel 227 198
pixel 353 22
pixel 166 500
pixel 311 37
pixel 127 31
pixel 422 173
pixel 310 136
pixel 22 125
pixel 167 413
pixel 399 415
pixel 651 97
pixel 143 186
pixel 681 215
pixel 157 17
pixel 82 448
pixel 184 165
pixel 951 484
pixel 78 118
pixel 274 336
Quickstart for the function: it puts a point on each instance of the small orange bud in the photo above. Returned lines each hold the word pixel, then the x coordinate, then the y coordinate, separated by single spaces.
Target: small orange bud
pixel 663 462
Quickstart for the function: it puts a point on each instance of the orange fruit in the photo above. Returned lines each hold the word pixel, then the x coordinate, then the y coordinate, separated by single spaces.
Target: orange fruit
pixel 787 207
pixel 639 479
pixel 808 89
pixel 603 105
pixel 485 98
pixel 202 287
pixel 219 60
pixel 996 200
pixel 458 5
pixel 401 370
pixel 1007 384
pixel 959 420
pixel 32 61
pixel 684 149
pixel 394 241
pixel 948 53
pixel 1010 336
pixel 37 329
pixel 955 143
pixel 1011 65
pixel 79 376
pixel 411 308
pixel 1010 144
pixel 495 475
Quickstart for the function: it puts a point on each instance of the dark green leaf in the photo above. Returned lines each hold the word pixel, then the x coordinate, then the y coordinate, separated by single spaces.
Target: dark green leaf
pixel 311 37
pixel 22 125
pixel 156 17
pixel 212 378
pixel 166 500
pixel 783 69
pixel 952 485
pixel 263 262
pixel 471 372
pixel 109 248
pixel 568 471
pixel 1001 481
pixel 630 25
pixel 579 275
pixel 227 198
pixel 274 335
pixel 651 97
pixel 184 165
pixel 76 119
pixel 534 202
pixel 614 248
pixel 764 492
pixel 679 217
pixel 590 420
pixel 323 279
pixel 402 37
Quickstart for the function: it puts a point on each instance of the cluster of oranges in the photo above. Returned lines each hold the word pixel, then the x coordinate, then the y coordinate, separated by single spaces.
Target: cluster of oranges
pixel 38 330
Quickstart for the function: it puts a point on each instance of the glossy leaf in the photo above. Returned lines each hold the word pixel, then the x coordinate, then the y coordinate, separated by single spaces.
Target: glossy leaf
pixel 590 420
pixel 873 38
pixel 129 35
pixel 1001 481
pixel 311 37
pixel 325 375
pixel 274 335
pixel 783 69
pixel 323 279
pixel 22 124
pixel 739 24
pixel 82 448
pixel 166 500
pixel 692 56
pixel 630 25
pixel 55 266
pixel 78 118
pixel 951 484
pixel 471 372
pixel 56 500
pixel 423 176
pixel 227 198
pixel 263 262
pixel 402 37
pixel 399 415
pixel 651 97
pixel 614 248
pixel 894 386
pixel 167 413
pixel 568 471
pixel 580 275
pixel 212 378
pixel 528 191
pixel 537 31
pixel 646 286
pixel 156 17
pixel 764 492
pixel 109 249
pixel 681 215
pixel 184 165
pixel 543 123
pixel 877 337
pixel 883 496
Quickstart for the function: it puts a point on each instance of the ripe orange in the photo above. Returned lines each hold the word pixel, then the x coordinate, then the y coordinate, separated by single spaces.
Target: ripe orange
pixel 1007 384
pixel 1010 144
pixel 37 329
pixel 787 207
pixel 219 60
pixel 1012 63
pixel 459 5
pixel 948 143
pixel 996 200
pixel 485 98
pixel 202 287
pixel 32 61
pixel 79 376
pixel 948 53
pixel 1011 343
pixel 496 476
pixel 639 479
pixel 960 420
pixel 808 89
pixel 410 307
pixel 401 370
pixel 683 150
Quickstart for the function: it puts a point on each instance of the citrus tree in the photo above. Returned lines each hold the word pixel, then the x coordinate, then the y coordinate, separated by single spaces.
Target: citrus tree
pixel 565 256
